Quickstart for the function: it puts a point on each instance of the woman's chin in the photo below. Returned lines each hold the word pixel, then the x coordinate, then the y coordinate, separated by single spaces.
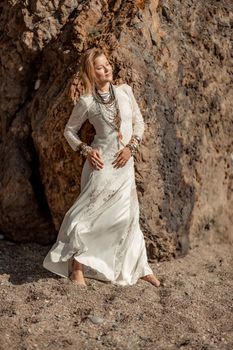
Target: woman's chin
pixel 107 79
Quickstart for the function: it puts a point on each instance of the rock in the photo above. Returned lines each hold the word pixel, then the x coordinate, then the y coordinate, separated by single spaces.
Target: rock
pixel 180 75
pixel 95 319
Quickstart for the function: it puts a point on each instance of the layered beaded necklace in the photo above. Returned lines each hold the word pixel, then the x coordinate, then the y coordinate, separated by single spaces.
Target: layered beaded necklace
pixel 109 110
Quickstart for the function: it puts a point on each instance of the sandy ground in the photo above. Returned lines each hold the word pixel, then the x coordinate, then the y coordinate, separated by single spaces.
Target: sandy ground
pixel 192 309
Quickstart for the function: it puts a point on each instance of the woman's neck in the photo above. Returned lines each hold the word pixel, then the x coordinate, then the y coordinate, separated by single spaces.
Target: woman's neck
pixel 103 88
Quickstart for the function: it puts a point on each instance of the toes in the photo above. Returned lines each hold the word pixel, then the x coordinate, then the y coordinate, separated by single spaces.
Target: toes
pixel 77 281
pixel 152 279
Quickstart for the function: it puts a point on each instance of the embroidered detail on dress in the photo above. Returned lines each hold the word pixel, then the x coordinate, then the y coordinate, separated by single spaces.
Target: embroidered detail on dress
pixel 99 197
pixel 132 226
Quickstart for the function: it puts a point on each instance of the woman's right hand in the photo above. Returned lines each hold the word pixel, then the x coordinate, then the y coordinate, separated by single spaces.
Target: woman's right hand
pixel 95 159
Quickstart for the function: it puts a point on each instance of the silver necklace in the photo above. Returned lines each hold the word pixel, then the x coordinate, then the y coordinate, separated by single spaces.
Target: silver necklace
pixel 108 107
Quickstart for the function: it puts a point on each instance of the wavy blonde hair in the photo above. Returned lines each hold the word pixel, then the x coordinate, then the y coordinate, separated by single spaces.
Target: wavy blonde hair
pixel 87 74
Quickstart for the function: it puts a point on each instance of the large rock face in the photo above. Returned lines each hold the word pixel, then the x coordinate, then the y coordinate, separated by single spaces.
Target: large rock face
pixel 176 57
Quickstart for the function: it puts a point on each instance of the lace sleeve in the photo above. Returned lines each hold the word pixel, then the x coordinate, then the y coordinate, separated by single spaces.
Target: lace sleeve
pixel 138 122
pixel 77 117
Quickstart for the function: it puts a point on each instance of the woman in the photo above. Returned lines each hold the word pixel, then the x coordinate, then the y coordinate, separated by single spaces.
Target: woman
pixel 100 236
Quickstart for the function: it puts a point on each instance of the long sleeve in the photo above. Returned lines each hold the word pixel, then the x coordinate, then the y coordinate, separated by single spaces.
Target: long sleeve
pixel 138 122
pixel 78 116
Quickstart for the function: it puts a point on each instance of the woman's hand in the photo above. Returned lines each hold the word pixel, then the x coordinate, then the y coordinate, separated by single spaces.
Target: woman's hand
pixel 95 159
pixel 122 157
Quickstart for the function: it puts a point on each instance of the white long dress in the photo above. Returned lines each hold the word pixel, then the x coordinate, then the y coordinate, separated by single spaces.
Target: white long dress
pixel 101 229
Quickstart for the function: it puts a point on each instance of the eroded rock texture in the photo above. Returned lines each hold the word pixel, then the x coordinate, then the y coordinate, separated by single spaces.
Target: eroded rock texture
pixel 176 56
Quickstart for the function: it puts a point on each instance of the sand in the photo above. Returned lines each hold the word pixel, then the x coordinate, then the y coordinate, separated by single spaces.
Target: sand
pixel 192 309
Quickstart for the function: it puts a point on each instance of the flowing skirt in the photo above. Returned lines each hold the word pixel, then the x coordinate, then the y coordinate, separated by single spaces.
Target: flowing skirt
pixel 101 229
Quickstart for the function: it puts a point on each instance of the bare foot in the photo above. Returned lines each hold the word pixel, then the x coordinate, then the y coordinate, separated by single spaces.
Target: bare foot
pixel 77 278
pixel 76 275
pixel 152 279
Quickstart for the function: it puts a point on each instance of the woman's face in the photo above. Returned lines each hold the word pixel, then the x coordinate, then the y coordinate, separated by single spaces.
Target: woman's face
pixel 102 69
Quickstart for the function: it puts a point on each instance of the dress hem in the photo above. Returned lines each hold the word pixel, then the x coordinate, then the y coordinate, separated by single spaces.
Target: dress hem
pixel 105 280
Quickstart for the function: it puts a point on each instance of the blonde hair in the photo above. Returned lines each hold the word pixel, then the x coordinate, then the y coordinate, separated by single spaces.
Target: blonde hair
pixel 87 74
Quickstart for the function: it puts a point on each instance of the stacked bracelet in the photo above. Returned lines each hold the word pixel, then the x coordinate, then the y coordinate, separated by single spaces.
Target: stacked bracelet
pixel 84 149
pixel 134 144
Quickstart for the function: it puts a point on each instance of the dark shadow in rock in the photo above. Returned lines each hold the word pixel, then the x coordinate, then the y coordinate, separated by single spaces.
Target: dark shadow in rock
pixel 179 196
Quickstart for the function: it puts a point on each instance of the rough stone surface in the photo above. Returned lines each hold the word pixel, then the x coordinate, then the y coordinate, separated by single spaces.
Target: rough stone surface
pixel 176 56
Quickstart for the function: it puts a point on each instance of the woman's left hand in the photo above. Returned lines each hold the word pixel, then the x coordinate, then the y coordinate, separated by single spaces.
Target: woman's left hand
pixel 122 157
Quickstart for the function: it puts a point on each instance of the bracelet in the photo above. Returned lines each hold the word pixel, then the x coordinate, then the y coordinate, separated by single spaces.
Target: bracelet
pixel 134 144
pixel 137 138
pixel 84 149
pixel 131 149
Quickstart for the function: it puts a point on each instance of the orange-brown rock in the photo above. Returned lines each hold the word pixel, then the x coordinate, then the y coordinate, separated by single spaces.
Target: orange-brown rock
pixel 176 56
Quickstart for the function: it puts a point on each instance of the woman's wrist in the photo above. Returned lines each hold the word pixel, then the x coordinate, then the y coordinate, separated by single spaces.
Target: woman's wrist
pixel 132 149
pixel 136 138
pixel 84 149
pixel 134 144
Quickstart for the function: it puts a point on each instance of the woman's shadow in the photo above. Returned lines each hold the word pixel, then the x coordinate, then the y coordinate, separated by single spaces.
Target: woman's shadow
pixel 21 263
